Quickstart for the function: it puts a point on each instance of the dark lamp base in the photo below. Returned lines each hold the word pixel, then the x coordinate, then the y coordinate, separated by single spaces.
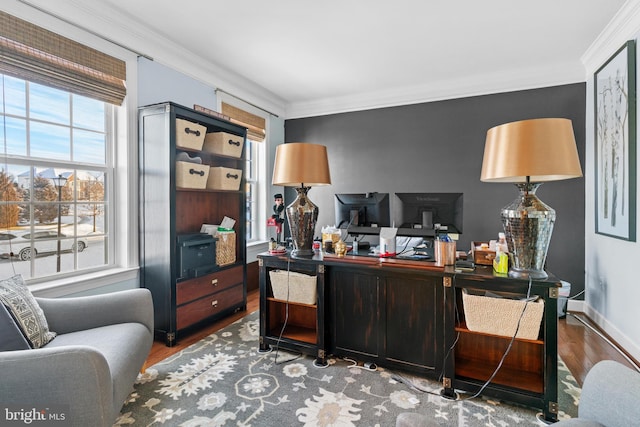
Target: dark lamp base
pixel 302 253
pixel 527 274
pixel 302 215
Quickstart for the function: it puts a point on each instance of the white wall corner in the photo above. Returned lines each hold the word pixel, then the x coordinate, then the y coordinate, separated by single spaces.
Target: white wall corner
pixel 609 276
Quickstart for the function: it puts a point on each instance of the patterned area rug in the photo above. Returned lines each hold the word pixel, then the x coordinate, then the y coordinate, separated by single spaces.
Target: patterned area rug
pixel 223 380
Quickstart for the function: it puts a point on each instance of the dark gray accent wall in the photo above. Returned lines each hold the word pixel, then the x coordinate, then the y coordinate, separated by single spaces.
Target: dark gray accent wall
pixel 438 147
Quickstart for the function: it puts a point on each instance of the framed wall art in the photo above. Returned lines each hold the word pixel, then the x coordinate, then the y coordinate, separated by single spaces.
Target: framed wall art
pixel 615 145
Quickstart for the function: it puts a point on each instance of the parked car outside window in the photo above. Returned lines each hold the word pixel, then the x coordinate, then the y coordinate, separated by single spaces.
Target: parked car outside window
pixel 39 243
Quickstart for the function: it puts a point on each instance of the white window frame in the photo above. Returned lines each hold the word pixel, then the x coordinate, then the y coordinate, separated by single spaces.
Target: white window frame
pixel 261 203
pixel 33 163
pixel 124 272
pixel 257 180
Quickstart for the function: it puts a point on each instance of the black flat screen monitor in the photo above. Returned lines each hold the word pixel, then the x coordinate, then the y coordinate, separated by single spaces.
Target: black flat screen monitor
pixel 362 213
pixel 417 213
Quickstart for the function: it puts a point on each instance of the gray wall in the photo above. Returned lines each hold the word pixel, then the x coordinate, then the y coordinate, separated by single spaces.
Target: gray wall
pixel 158 83
pixel 438 147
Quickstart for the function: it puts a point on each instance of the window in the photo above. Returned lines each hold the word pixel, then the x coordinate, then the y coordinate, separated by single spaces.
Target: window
pixel 251 189
pixel 255 175
pixel 254 189
pixel 55 178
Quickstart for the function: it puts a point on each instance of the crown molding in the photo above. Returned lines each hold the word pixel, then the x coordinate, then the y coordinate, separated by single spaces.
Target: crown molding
pixel 504 81
pixel 625 25
pixel 127 31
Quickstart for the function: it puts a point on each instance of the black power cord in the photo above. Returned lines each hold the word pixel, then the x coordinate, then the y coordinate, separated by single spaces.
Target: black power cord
pixel 506 352
pixel 286 320
pixel 508 349
pixel 284 325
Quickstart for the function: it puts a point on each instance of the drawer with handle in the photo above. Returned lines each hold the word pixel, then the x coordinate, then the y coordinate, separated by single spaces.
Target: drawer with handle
pixel 189 314
pixel 192 289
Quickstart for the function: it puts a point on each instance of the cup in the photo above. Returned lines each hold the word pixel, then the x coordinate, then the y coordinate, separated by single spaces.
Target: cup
pixel 445 253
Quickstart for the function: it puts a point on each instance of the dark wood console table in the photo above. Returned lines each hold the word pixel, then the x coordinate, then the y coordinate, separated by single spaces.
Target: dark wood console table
pixel 409 315
pixel 292 325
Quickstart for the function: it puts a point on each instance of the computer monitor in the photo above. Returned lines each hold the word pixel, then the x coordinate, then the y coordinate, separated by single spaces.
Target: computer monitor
pixel 418 213
pixel 362 213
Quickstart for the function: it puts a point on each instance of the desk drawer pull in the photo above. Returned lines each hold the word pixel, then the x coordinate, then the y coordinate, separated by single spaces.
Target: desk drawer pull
pixel 214 282
pixel 214 303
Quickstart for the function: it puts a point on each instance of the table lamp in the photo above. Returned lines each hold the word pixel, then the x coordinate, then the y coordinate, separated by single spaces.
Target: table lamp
pixel 301 165
pixel 528 153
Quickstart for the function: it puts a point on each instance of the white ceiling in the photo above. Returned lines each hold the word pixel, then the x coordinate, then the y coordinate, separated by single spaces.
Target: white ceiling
pixel 319 57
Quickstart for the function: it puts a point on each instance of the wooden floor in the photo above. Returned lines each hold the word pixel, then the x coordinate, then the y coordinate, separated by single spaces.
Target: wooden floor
pixel 160 351
pixel 578 345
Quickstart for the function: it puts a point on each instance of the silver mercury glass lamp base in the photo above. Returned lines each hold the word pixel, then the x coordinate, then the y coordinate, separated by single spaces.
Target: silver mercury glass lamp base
pixel 528 224
pixel 302 215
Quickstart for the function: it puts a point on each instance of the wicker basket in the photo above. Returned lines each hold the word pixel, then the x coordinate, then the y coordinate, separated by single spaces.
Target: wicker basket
pixel 224 143
pixel 191 175
pixel 499 316
pixel 189 135
pixel 221 178
pixel 293 286
pixel 226 248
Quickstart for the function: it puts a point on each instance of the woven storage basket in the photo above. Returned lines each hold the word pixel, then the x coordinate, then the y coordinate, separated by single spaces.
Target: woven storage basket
pixel 221 178
pixel 298 287
pixel 499 316
pixel 191 175
pixel 189 135
pixel 226 248
pixel 224 143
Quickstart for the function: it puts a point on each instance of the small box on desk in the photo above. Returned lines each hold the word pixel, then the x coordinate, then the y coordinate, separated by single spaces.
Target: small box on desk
pixel 480 255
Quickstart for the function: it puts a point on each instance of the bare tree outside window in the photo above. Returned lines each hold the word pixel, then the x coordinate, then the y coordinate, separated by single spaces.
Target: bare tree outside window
pixel 10 192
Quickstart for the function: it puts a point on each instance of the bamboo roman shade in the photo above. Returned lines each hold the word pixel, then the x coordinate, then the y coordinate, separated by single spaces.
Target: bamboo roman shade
pixel 32 53
pixel 256 126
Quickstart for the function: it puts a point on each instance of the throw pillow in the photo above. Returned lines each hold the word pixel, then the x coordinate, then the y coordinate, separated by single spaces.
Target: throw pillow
pixel 11 337
pixel 24 308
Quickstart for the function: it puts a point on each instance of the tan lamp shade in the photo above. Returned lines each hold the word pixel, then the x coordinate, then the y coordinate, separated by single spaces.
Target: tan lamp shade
pixel 542 149
pixel 301 164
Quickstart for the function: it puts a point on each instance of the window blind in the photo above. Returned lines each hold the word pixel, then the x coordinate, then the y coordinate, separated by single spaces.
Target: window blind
pixel 33 53
pixel 256 125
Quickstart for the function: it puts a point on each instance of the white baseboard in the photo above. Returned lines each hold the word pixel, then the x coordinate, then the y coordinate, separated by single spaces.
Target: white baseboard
pixel 575 305
pixel 621 339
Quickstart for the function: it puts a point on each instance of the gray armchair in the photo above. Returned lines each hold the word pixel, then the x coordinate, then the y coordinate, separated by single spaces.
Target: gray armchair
pixel 610 397
pixel 88 370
